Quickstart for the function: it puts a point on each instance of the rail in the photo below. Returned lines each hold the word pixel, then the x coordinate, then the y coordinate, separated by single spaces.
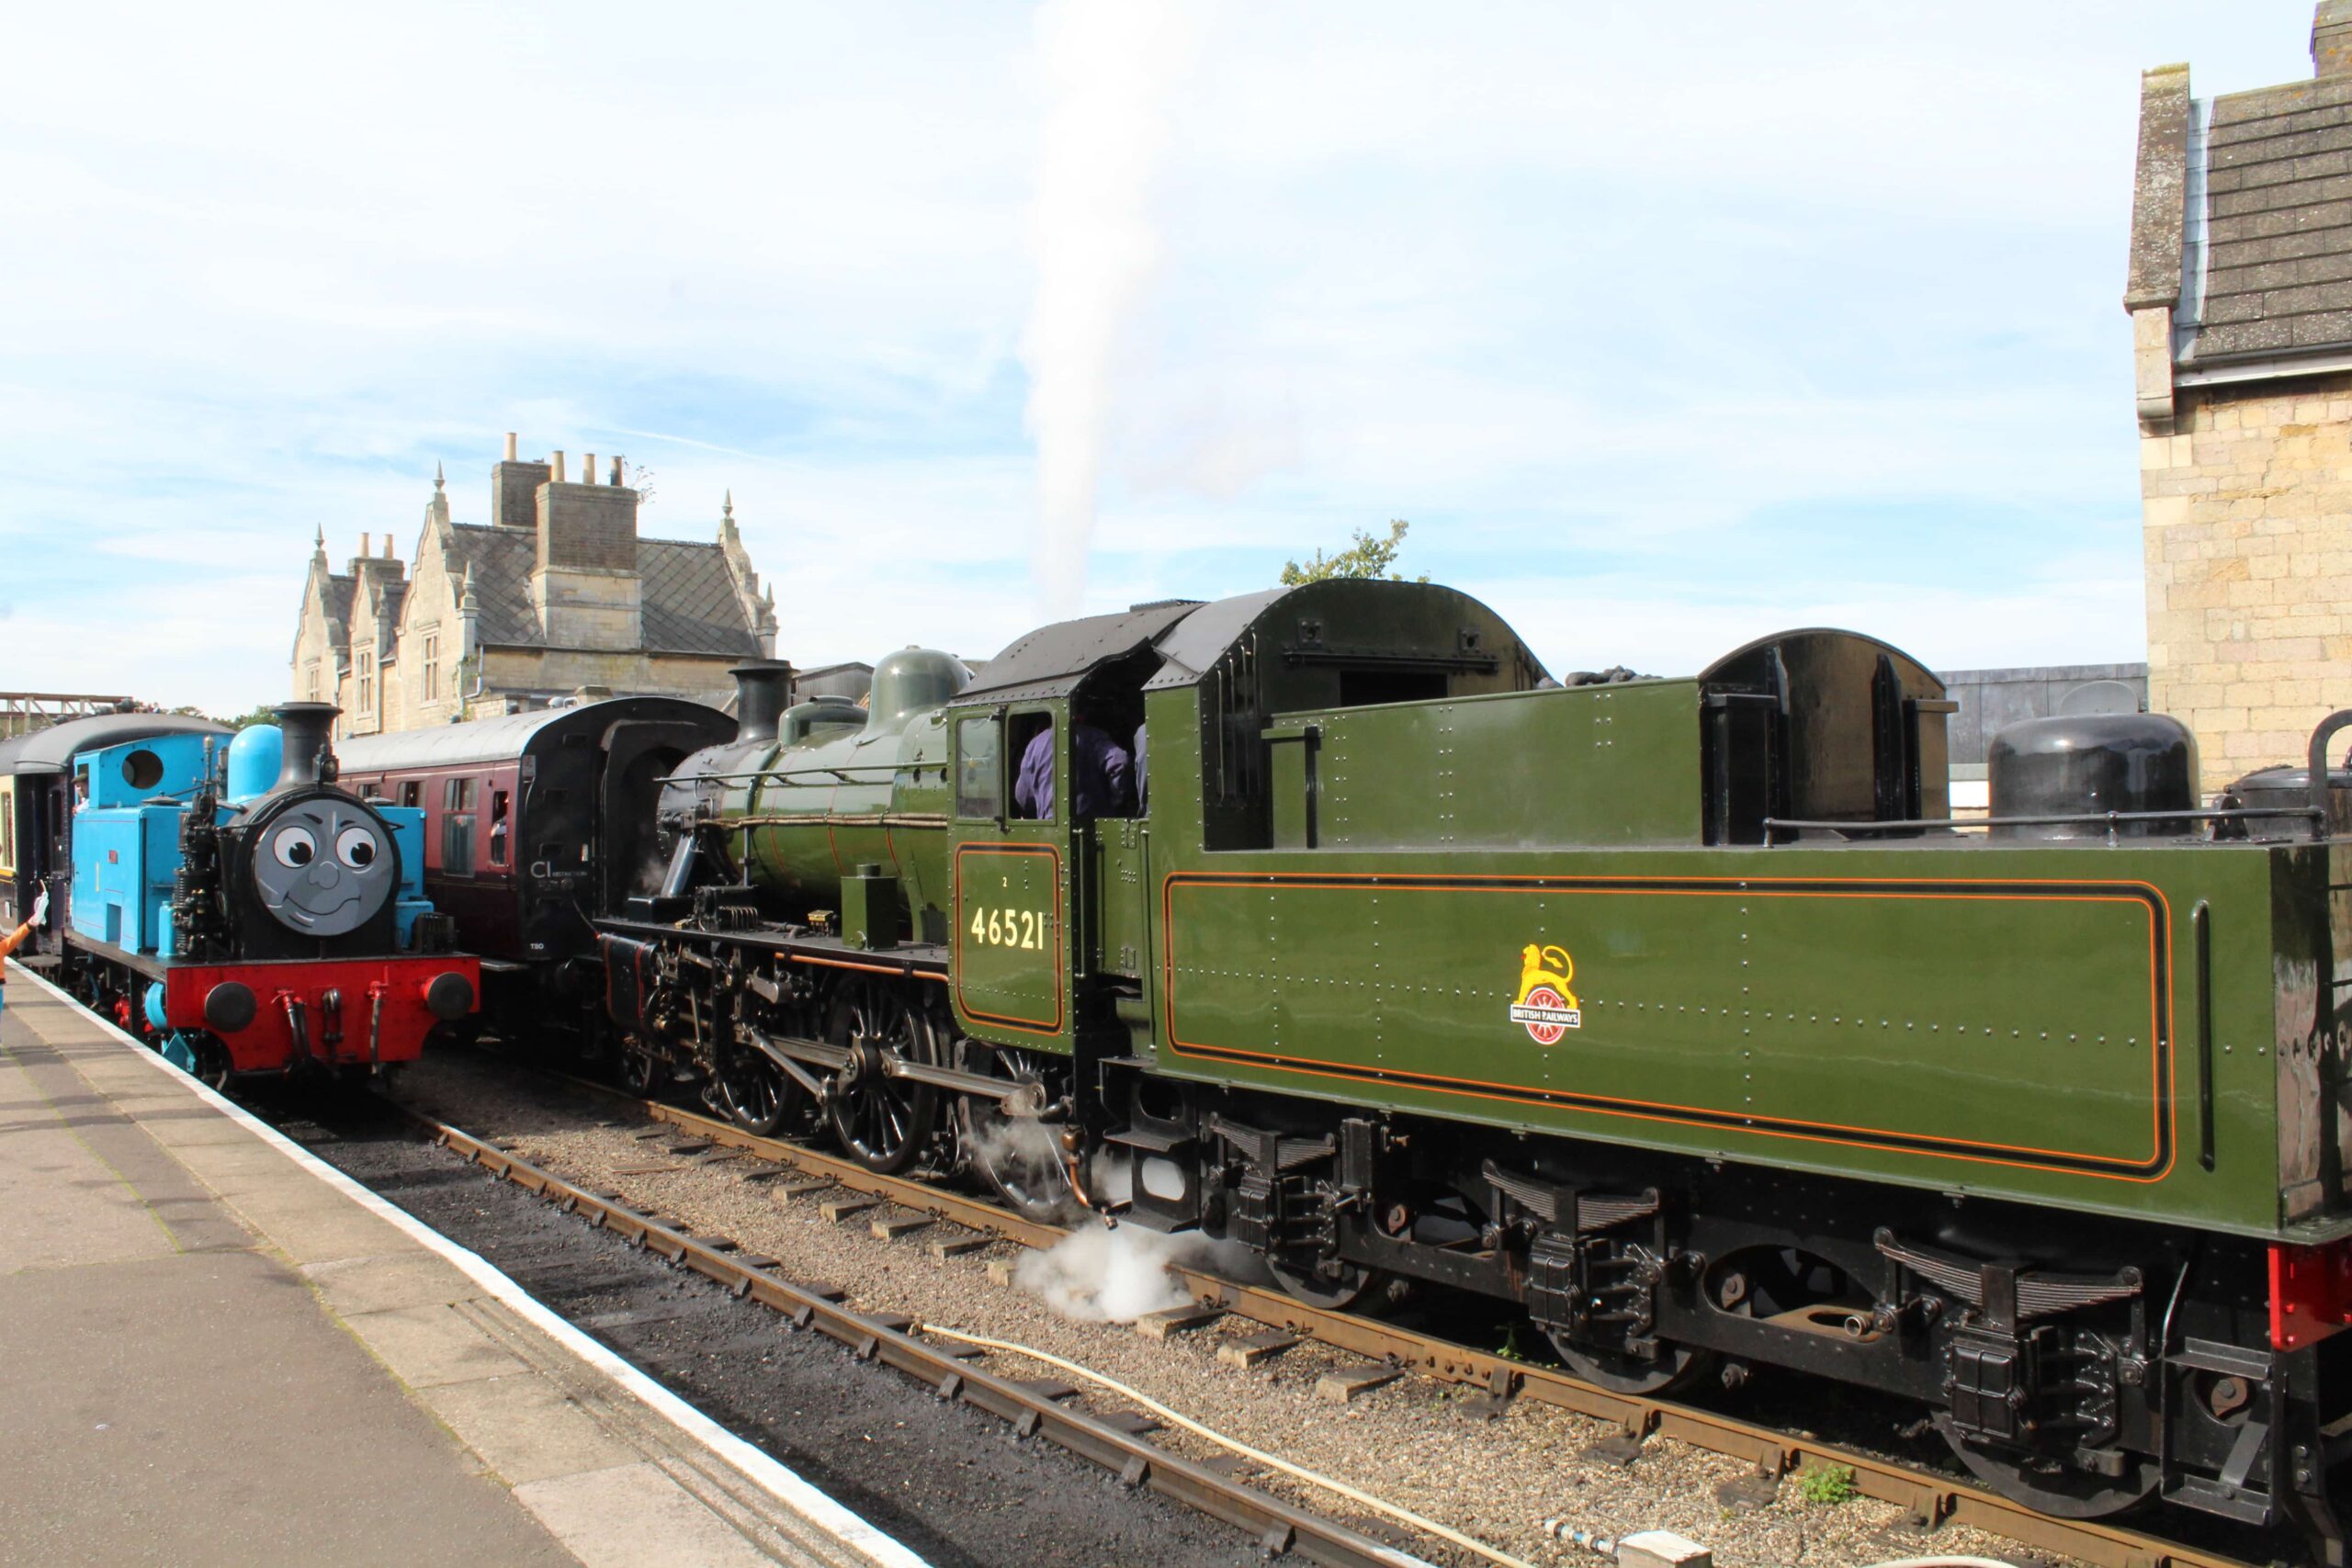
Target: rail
pixel 1033 1407
pixel 1928 1499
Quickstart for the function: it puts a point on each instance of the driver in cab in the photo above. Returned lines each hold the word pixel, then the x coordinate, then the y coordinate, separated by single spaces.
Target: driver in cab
pixel 1101 775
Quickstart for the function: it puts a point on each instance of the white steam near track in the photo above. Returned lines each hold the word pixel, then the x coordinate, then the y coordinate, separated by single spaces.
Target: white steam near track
pixel 1110 72
pixel 1097 1274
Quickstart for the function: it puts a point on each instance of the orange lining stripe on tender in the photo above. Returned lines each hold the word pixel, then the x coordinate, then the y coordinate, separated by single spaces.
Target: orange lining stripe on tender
pixel 1023 1025
pixel 1732 887
pixel 1348 1069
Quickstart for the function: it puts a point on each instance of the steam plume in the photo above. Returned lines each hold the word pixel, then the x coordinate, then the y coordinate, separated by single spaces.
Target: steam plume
pixel 1110 67
pixel 1096 1274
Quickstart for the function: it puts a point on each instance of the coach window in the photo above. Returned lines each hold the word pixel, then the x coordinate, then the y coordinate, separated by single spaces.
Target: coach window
pixel 458 826
pixel 498 827
pixel 979 767
pixel 412 794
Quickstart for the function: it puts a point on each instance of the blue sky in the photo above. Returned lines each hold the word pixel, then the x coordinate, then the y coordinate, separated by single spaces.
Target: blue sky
pixel 1664 325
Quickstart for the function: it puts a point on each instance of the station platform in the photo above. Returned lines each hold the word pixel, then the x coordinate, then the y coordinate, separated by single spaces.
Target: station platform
pixel 215 1348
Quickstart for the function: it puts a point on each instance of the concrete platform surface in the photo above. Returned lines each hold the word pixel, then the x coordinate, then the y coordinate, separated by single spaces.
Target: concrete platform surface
pixel 216 1349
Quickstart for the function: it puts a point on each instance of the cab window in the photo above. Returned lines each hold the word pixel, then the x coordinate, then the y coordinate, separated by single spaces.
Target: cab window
pixel 979 767
pixel 1033 765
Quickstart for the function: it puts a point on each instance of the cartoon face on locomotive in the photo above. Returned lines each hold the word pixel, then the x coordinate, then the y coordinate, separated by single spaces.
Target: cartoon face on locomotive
pixel 263 922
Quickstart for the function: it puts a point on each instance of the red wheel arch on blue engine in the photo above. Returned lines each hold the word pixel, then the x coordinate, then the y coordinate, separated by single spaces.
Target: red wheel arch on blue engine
pixel 350 1012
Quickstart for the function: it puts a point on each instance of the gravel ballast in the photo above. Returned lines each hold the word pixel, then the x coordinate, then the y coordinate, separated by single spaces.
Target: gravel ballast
pixel 1415 1442
pixel 949 1481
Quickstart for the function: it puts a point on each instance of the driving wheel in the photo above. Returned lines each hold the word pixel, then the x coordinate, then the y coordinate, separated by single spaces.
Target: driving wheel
pixel 883 1122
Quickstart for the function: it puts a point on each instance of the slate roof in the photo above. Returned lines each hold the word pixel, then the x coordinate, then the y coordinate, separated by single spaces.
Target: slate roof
pixel 2277 271
pixel 689 603
pixel 2241 221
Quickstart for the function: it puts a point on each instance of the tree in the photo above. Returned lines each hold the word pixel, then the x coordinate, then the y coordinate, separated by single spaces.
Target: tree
pixel 259 714
pixel 1367 557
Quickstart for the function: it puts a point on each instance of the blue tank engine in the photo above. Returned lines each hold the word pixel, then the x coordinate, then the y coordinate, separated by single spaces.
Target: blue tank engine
pixel 247 915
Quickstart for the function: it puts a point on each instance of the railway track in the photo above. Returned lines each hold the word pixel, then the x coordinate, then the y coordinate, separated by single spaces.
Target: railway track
pixel 1928 1499
pixel 1117 1443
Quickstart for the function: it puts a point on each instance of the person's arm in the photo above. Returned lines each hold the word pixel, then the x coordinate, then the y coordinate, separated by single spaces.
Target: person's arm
pixel 1119 794
pixel 15 939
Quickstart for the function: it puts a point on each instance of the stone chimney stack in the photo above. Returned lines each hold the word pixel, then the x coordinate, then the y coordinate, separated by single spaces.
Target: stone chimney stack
pixel 584 582
pixel 2332 38
pixel 515 488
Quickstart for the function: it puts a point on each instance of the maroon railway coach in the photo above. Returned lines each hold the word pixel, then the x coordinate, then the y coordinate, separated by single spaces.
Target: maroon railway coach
pixel 535 822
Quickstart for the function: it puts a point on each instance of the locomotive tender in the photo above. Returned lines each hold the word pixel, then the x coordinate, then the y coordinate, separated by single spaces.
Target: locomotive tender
pixel 271 925
pixel 1677 1011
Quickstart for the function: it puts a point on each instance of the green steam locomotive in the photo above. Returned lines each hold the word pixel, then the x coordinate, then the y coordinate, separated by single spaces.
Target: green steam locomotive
pixel 1679 1011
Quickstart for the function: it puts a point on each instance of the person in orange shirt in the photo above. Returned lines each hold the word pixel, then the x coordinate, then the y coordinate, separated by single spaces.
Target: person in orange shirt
pixel 15 939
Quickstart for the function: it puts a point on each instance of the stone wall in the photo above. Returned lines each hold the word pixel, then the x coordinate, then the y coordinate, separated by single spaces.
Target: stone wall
pixel 2248 528
pixel 429 677
pixel 557 671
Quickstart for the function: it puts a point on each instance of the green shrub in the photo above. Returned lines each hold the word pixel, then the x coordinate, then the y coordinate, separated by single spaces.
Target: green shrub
pixel 1825 1486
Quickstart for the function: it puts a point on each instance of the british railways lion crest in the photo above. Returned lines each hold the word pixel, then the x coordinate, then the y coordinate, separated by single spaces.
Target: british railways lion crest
pixel 1546 1005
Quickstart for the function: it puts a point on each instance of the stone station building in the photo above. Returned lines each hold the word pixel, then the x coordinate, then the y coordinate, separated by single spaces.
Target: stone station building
pixel 556 596
pixel 2240 294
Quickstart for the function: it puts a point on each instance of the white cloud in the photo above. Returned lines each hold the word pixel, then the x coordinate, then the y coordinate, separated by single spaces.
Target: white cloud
pixel 1669 304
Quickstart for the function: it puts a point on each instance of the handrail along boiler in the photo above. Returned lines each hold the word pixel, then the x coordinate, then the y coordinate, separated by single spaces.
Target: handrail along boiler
pixel 1679 1011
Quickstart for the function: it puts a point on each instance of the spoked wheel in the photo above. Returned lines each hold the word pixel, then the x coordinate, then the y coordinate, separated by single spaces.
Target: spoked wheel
pixel 1677 1366
pixel 1353 1286
pixel 2052 1486
pixel 1019 1157
pixel 643 1073
pixel 754 1093
pixel 883 1122
pixel 761 1098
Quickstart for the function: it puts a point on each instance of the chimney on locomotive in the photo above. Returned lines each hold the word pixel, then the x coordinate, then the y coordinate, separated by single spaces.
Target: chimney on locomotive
pixel 307 757
pixel 762 691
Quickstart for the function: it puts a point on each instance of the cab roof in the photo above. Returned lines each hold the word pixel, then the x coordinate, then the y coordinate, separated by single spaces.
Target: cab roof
pixel 49 750
pixel 1052 660
pixel 1193 636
